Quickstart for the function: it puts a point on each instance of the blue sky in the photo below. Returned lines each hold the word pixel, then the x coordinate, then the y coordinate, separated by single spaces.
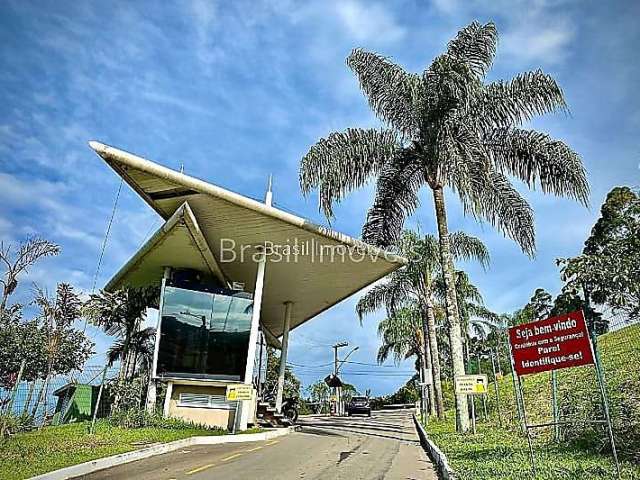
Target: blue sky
pixel 235 91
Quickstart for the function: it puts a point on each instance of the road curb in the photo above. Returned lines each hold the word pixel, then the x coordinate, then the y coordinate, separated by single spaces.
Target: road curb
pixel 120 459
pixel 445 472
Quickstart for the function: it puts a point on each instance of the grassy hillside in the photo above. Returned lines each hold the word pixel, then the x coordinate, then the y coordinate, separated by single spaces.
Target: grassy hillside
pixel 579 397
pixel 502 453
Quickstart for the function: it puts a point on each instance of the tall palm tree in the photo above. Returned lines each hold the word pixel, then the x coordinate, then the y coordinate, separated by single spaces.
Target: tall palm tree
pixel 448 128
pixel 416 283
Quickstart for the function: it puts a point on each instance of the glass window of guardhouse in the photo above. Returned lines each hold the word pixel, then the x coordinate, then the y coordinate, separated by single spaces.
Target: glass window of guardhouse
pixel 204 334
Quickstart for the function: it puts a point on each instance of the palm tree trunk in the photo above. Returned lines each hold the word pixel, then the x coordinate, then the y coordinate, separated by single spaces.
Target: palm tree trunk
pixel 435 361
pixel 428 375
pixel 423 396
pixel 455 333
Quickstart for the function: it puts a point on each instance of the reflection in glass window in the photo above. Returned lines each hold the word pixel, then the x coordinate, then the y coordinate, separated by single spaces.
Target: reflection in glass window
pixel 204 334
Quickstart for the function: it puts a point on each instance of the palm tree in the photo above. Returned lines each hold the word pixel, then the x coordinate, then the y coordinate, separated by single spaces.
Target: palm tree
pixel 447 128
pixel 120 314
pixel 141 346
pixel 416 283
pixel 402 337
pixel 475 318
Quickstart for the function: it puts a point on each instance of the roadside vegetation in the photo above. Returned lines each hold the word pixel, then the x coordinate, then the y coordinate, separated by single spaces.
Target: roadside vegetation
pixel 500 450
pixel 498 453
pixel 32 453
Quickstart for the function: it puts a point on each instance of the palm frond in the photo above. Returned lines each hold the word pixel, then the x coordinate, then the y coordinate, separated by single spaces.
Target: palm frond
pixel 396 198
pixel 391 91
pixel 345 161
pixel 528 94
pixel 536 158
pixel 467 247
pixel 475 45
pixel 115 352
pixel 494 199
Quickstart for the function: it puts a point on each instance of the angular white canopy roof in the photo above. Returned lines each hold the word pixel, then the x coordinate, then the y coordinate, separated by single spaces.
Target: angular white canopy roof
pixel 202 219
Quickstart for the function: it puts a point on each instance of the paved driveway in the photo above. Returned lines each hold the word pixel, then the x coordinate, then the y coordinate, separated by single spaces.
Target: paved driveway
pixel 383 446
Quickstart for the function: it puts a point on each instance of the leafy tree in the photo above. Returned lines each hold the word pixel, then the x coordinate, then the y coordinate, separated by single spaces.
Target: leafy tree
pixel 569 300
pixel 608 269
pixel 447 128
pixel 416 282
pixel 348 392
pixel 540 304
pixel 17 259
pixel 291 382
pixel 21 340
pixel 67 348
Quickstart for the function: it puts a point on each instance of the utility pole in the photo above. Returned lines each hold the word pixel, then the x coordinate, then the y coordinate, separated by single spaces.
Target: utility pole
pixel 335 372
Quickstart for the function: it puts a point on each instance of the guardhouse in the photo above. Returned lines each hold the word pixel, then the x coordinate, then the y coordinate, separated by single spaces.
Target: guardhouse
pixel 232 271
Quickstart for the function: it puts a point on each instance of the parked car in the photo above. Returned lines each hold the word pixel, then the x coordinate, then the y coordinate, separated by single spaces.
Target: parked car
pixel 359 405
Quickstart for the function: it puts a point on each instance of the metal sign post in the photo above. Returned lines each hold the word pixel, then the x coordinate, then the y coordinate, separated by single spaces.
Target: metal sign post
pixel 605 400
pixel 497 390
pixel 552 344
pixel 471 385
pixel 238 393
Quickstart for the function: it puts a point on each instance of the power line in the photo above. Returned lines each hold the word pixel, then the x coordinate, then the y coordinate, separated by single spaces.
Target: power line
pixel 106 236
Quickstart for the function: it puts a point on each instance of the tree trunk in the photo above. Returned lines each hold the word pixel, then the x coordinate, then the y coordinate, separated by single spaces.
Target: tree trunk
pixel 423 396
pixel 41 395
pixel 428 376
pixel 428 363
pixel 455 333
pixel 25 407
pixel 435 360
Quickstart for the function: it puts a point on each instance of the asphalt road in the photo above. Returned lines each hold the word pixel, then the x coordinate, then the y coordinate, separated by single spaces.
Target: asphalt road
pixel 384 446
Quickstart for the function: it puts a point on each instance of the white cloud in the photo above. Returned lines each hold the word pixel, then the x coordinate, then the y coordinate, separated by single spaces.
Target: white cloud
pixel 538 38
pixel 369 23
pixel 530 31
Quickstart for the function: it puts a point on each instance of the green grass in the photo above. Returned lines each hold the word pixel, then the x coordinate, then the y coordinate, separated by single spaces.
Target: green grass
pixel 27 454
pixel 500 454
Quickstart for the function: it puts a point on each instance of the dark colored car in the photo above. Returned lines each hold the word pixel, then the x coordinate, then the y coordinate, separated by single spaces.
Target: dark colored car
pixel 359 405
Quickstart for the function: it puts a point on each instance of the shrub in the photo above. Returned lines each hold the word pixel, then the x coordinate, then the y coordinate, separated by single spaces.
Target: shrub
pixel 10 423
pixel 140 418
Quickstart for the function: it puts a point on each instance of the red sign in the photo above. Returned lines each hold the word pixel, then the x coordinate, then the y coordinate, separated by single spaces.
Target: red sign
pixel 551 344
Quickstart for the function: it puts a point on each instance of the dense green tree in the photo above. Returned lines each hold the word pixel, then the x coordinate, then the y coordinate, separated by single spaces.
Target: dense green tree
pixel 570 300
pixel 540 304
pixel 607 271
pixel 141 345
pixel 291 382
pixel 447 128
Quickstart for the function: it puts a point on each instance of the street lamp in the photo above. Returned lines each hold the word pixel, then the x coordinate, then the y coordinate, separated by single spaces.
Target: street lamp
pixel 345 359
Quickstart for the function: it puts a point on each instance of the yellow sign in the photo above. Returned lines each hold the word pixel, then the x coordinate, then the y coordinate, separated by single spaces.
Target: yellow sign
pixel 239 392
pixel 471 384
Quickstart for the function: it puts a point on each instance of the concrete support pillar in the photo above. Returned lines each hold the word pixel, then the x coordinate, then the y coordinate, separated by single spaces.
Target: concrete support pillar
pixel 152 395
pixel 245 408
pixel 152 388
pixel 255 321
pixel 167 399
pixel 288 306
